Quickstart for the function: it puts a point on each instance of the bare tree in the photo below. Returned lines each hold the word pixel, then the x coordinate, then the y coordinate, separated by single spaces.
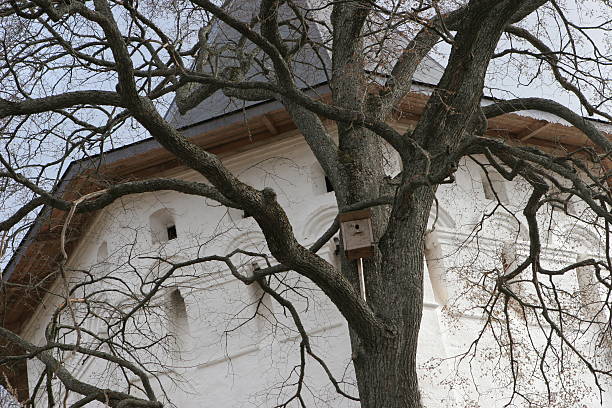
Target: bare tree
pixel 80 77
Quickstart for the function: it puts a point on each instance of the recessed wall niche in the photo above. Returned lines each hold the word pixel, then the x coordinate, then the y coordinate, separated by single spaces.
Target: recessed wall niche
pixel 494 186
pixel 163 226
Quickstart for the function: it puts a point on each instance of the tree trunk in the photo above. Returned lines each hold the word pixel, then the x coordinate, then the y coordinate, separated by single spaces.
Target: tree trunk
pixel 386 374
pixel 386 366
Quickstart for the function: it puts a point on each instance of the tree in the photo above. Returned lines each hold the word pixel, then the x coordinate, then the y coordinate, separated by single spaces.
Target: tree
pixel 77 74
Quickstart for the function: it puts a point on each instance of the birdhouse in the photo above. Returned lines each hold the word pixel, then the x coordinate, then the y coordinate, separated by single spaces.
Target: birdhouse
pixel 356 228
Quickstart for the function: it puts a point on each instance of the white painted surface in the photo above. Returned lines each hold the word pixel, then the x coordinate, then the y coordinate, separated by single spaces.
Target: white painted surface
pixel 228 360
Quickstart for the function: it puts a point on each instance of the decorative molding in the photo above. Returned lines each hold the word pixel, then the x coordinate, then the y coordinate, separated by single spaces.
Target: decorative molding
pixel 251 239
pixel 318 220
pixel 582 240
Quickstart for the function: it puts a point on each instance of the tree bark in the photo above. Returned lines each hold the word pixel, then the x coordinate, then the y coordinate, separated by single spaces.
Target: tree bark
pixel 386 374
pixel 386 366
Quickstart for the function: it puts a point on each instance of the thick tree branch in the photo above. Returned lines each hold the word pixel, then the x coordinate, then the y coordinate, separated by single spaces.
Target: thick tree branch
pixel 262 204
pixel 553 61
pixel 61 101
pixel 400 79
pixel 116 191
pixel 69 381
pixel 317 137
pixel 282 70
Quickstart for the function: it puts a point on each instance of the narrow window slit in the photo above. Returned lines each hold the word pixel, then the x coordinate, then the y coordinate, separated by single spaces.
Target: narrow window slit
pixel 328 185
pixel 171 230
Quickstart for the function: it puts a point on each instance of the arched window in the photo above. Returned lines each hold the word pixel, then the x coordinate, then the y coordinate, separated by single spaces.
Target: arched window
pixel 328 185
pixel 97 319
pixel 587 245
pixel 102 255
pixel 162 225
pixel 102 264
pixel 335 250
pixel 176 313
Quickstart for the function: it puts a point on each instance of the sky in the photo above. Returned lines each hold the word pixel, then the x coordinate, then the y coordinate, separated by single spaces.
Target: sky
pixel 513 77
pixel 508 78
pixel 6 399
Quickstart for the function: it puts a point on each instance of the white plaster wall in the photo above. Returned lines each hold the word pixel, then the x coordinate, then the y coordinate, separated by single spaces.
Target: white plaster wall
pixel 228 360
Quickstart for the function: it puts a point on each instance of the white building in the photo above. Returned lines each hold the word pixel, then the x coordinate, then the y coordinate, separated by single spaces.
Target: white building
pixel 221 358
pixel 227 344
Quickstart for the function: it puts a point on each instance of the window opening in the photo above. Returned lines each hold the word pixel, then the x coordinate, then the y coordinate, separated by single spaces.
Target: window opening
pixel 163 226
pixel 261 302
pixel 171 231
pixel 102 254
pixel 328 185
pixel 509 256
pixel 179 309
pixel 246 214
pixel 510 261
pixel 178 324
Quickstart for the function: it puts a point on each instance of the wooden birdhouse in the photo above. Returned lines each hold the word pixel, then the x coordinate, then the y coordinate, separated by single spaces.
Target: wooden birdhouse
pixel 356 228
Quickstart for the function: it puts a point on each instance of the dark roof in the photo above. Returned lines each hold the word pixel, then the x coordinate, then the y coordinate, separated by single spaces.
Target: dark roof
pixel 149 144
pixel 310 66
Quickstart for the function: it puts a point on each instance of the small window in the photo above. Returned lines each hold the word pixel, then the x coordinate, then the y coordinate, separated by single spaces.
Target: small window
pixel 178 307
pixel 177 324
pixel 328 185
pixel 246 214
pixel 171 231
pixel 163 226
pixel 510 261
pixel 334 252
pixel 590 296
pixel 102 255
pixel 262 311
